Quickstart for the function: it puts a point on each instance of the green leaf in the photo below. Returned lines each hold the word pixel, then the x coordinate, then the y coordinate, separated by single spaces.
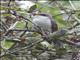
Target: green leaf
pixel 59 19
pixel 54 11
pixel 6 44
pixel 3 8
pixel 32 8
pixel 6 15
pixel 20 25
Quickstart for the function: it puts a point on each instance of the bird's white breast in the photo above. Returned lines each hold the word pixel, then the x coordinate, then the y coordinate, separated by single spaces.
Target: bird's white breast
pixel 43 22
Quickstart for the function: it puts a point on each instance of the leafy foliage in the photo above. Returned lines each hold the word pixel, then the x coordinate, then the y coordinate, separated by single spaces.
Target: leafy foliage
pixel 31 43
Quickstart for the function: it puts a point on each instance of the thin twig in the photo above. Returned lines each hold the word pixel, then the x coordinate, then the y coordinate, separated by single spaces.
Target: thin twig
pixel 27 47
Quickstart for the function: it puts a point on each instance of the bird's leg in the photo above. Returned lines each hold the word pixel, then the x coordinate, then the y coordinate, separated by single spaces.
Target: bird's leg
pixel 43 32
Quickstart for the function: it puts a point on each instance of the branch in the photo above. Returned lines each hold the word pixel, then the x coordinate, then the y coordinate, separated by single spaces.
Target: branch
pixel 27 30
pixel 68 12
pixel 27 47
pixel 57 34
pixel 61 34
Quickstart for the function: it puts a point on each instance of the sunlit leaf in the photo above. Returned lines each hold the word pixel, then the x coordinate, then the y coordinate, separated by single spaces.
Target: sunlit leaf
pixel 6 44
pixel 54 11
pixel 32 8
pixel 20 25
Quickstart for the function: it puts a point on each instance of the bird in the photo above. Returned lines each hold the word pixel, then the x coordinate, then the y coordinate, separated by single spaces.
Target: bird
pixel 44 23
